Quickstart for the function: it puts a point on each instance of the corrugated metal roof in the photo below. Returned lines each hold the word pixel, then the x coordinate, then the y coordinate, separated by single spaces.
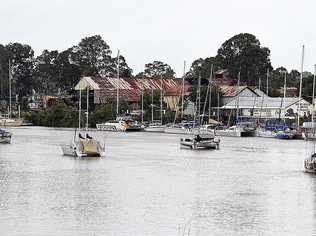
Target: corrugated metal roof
pixel 130 88
pixel 265 102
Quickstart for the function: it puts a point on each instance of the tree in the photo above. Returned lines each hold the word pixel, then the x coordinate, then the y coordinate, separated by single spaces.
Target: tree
pixel 46 72
pixel 4 73
pixel 202 67
pixel 22 62
pixel 243 53
pixel 157 69
pixel 93 56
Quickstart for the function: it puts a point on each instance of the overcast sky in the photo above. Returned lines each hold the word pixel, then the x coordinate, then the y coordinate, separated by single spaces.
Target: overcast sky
pixel 168 30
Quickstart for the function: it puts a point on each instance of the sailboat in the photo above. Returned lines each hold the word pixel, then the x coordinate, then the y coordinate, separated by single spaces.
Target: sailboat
pixel 242 128
pixel 83 146
pixel 156 126
pixel 197 139
pixel 7 120
pixel 310 162
pixel 185 126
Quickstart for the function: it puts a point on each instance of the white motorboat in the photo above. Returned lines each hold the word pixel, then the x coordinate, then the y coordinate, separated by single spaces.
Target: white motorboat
pixel 155 127
pixel 10 122
pixel 265 133
pixel 181 128
pixel 122 123
pixel 200 142
pixel 242 129
pixel 5 136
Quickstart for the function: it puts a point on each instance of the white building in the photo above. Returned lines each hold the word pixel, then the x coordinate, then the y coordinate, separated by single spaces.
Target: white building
pixel 255 103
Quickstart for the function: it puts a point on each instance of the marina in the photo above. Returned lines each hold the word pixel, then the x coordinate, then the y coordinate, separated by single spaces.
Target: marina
pixel 125 118
pixel 147 185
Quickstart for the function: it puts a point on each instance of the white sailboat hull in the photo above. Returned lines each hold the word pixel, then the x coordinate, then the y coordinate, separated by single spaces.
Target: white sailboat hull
pixel 159 129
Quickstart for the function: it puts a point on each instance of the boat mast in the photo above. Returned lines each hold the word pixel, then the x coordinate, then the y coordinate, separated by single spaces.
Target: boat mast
pixel 79 120
pixel 142 94
pixel 268 82
pixel 161 94
pixel 210 94
pixel 10 95
pixel 152 105
pixel 237 94
pixel 217 105
pixel 118 81
pixel 182 92
pixel 87 123
pixel 199 98
pixel 313 101
pixel 284 95
pixel 300 92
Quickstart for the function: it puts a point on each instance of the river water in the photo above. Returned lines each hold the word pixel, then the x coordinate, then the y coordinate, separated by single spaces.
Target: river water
pixel 147 185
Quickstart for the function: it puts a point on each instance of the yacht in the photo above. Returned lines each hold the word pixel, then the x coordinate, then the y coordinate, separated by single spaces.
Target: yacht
pixel 83 146
pixel 155 127
pixel 185 127
pixel 200 141
pixel 241 129
pixel 122 123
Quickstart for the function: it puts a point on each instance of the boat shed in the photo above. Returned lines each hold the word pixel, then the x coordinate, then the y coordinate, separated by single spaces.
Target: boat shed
pixel 130 89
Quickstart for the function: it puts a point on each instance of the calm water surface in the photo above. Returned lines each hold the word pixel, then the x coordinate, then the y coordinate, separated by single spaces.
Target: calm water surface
pixel 147 185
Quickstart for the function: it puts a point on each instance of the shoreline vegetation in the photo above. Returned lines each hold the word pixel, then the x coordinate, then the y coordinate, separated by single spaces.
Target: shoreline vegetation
pixel 56 73
pixel 65 115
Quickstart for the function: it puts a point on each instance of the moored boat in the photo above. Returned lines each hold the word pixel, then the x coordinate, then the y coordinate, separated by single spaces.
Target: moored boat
pixel 123 123
pixel 199 141
pixel 181 128
pixel 155 127
pixel 5 136
pixel 83 147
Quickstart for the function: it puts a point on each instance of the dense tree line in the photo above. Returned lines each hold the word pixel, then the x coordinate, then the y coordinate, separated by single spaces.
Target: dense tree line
pixel 54 72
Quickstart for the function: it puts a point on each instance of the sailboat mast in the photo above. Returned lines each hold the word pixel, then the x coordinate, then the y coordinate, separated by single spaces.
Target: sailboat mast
pixel 210 94
pixel 199 98
pixel 182 92
pixel 10 95
pixel 237 94
pixel 300 92
pixel 79 119
pixel 267 82
pixel 161 93
pixel 118 82
pixel 87 123
pixel 313 101
pixel 152 105
pixel 142 94
pixel 284 95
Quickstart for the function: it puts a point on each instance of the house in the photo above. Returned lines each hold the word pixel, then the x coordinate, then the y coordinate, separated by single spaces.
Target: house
pixel 130 89
pixel 230 93
pixel 258 105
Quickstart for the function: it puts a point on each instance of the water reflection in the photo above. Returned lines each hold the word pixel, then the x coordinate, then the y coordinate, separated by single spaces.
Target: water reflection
pixel 147 185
